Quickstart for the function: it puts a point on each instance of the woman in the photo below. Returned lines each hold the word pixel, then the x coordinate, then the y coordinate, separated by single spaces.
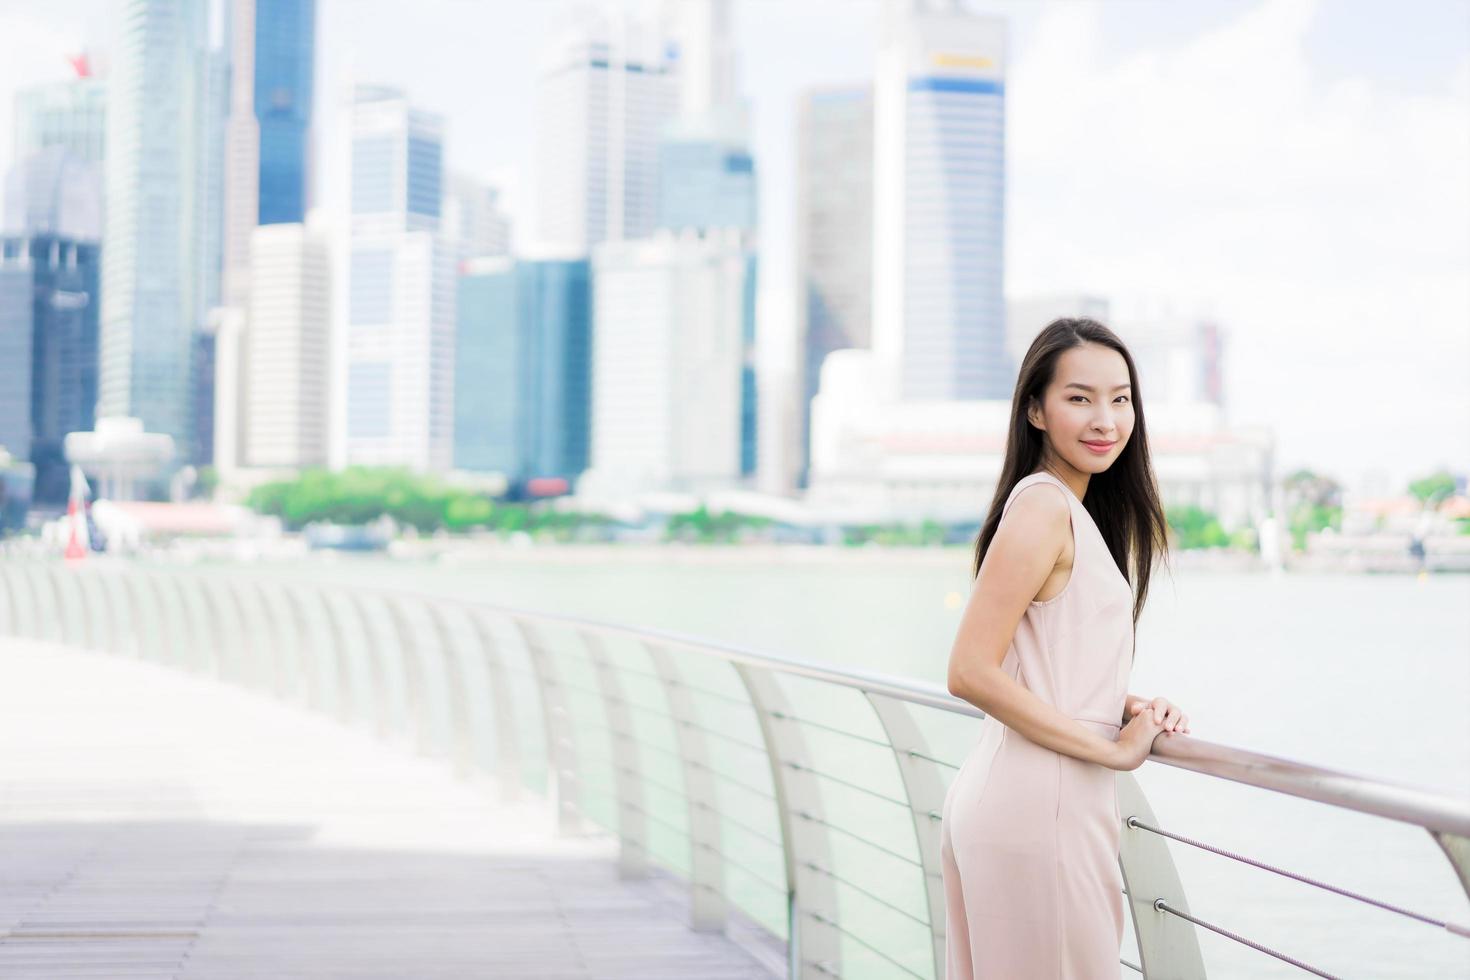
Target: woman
pixel 1029 832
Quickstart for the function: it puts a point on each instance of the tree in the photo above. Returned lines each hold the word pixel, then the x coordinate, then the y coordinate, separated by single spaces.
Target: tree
pixel 1433 489
pixel 1313 503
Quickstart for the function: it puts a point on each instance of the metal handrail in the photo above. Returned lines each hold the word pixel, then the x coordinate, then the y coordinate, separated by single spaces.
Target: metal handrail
pixel 423 696
pixel 1349 791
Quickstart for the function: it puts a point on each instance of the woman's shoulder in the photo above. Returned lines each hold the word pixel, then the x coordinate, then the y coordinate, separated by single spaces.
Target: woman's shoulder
pixel 1044 512
pixel 1057 503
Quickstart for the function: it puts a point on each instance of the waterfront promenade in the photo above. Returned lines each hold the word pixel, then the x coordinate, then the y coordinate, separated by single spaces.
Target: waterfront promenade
pixel 158 825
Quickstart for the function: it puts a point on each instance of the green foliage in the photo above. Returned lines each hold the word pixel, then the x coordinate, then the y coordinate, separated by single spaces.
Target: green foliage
pixel 1433 489
pixel 1195 527
pixel 895 534
pixel 1313 503
pixel 358 495
pixel 205 482
pixel 702 527
pixel 464 512
pixel 1245 539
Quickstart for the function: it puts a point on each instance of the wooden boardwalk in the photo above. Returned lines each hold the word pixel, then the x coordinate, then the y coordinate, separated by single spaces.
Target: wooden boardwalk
pixel 154 825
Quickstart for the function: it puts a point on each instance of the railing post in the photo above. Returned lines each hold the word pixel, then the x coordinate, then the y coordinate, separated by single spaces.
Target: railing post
pixel 107 624
pixel 144 620
pixel 52 572
pixel 77 610
pixel 281 681
pixel 564 784
pixel 251 671
pixel 347 710
pixel 227 641
pixel 627 763
pixel 194 639
pixel 377 662
pixel 709 909
pixel 304 652
pixel 507 744
pixel 1457 849
pixel 205 650
pixel 12 604
pixel 415 682
pixel 1168 948
pixel 814 947
pixel 26 575
pixel 925 792
pixel 167 635
pixel 10 622
pixel 335 654
pixel 456 693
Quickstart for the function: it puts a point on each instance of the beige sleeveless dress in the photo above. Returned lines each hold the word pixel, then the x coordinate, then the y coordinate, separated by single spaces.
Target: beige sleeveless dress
pixel 1029 837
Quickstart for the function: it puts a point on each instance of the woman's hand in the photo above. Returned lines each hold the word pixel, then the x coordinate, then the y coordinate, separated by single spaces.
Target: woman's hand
pixel 1135 741
pixel 1167 713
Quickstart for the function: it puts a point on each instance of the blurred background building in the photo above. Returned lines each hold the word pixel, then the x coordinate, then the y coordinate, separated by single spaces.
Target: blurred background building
pixel 400 288
pixel 608 350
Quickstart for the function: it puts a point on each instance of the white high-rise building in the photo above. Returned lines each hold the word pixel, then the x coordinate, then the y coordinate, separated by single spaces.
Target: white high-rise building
pixel 55 183
pixel 938 203
pixel 605 91
pixel 161 241
pixel 672 365
pixel 72 114
pixel 473 218
pixel 399 294
pixel 702 31
pixel 286 348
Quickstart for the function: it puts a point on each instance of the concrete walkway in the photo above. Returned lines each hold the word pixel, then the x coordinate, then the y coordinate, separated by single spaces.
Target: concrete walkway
pixel 156 825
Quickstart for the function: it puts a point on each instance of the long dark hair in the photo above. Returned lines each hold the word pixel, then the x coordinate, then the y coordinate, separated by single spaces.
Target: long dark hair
pixel 1124 499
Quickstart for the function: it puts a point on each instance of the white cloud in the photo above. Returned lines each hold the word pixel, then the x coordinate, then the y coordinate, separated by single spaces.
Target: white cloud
pixel 1328 225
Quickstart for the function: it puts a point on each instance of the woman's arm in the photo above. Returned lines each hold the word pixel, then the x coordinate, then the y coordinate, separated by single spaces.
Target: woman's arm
pixel 1025 549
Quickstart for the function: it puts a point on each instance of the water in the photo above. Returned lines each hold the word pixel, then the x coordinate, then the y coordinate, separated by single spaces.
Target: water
pixel 1368 674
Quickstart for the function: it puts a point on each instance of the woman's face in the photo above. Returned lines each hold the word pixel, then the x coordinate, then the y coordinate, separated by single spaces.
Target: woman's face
pixel 1089 401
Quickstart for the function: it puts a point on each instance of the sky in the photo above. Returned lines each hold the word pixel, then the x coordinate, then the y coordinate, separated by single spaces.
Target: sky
pixel 1296 170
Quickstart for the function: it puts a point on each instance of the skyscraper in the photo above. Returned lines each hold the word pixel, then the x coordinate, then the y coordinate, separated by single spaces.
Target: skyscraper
pixel 605 91
pixel 71 114
pixel 522 369
pixel 272 45
pixel 834 234
pixel 400 289
pixel 54 192
pixel 16 331
pixel 286 345
pixel 473 219
pixel 938 203
pixel 55 184
pixel 706 170
pixel 673 377
pixel 160 266
pixel 707 173
pixel 48 367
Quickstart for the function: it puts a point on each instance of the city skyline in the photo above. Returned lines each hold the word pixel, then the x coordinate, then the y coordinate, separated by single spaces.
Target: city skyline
pixel 1170 209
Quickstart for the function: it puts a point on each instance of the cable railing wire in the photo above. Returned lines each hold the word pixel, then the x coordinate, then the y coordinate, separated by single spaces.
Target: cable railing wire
pixel 1164 906
pixel 1451 927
